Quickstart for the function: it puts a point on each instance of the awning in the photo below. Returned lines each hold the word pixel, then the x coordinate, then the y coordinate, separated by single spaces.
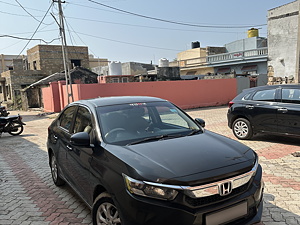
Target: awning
pixel 224 70
pixel 249 68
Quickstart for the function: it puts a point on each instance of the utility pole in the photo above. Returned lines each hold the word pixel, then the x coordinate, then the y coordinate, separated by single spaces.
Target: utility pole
pixel 69 89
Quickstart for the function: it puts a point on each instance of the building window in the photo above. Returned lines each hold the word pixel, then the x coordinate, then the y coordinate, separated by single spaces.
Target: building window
pixel 75 62
pixel 34 65
pixel 124 79
pixel 115 80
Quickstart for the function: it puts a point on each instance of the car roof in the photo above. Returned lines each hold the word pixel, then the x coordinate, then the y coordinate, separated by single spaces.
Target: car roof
pixel 272 87
pixel 105 101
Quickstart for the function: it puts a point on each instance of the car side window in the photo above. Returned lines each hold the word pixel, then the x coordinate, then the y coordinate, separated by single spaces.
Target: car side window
pixel 65 120
pixel 290 96
pixel 265 95
pixel 83 121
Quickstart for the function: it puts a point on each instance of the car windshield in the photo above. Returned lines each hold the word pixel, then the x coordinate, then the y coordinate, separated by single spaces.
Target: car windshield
pixel 134 123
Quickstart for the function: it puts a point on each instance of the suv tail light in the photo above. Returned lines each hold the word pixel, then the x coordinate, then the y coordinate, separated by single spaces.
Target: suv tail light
pixel 230 104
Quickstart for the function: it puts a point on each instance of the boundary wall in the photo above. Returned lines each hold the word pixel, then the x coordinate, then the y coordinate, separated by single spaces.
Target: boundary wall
pixel 186 94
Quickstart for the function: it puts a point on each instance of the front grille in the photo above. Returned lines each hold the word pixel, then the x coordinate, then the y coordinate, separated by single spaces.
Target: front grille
pixel 196 202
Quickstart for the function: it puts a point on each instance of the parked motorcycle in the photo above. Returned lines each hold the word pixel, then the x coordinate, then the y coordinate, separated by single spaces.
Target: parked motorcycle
pixel 12 125
pixel 3 111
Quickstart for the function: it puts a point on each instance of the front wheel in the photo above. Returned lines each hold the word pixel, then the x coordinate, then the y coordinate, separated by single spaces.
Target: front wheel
pixel 15 129
pixel 105 211
pixel 242 129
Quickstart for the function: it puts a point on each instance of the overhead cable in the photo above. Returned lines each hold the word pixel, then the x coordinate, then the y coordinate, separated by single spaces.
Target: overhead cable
pixel 35 31
pixel 151 27
pixel 28 12
pixel 169 21
pixel 31 39
pixel 129 43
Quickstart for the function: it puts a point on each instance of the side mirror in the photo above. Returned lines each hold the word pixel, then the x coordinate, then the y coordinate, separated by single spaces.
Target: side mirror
pixel 201 122
pixel 81 139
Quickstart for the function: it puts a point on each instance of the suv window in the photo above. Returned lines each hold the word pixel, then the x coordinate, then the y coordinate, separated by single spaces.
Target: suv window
pixel 83 121
pixel 66 117
pixel 290 95
pixel 265 95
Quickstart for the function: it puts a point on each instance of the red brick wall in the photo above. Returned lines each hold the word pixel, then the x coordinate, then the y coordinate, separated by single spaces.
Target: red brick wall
pixel 185 94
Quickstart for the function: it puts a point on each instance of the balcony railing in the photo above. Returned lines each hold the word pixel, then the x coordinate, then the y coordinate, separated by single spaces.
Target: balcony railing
pixel 232 56
pixel 238 55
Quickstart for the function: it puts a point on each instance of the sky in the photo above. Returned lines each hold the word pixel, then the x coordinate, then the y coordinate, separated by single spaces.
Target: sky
pixel 131 30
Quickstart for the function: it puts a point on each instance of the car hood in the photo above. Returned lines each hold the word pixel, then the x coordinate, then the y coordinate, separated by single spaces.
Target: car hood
pixel 186 160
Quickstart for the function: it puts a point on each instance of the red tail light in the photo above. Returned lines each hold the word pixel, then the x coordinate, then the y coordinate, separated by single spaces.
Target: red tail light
pixel 230 104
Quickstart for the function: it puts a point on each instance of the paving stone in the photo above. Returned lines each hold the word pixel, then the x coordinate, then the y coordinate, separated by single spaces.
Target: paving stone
pixel 29 197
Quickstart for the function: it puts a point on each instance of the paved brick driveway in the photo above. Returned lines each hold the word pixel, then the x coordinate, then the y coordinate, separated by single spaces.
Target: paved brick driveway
pixel 28 196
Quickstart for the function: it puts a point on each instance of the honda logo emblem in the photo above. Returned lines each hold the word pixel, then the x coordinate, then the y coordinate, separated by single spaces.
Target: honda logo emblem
pixel 225 188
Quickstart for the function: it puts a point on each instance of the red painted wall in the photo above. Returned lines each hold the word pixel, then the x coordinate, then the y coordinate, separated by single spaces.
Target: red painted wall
pixel 186 94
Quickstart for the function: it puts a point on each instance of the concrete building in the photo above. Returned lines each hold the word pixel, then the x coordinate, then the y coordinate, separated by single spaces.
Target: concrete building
pixel 7 61
pixel 284 44
pixel 97 62
pixel 194 60
pixel 245 56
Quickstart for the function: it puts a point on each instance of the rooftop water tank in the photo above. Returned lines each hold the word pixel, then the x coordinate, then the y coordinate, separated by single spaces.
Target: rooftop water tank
pixel 195 44
pixel 253 32
pixel 163 62
pixel 115 68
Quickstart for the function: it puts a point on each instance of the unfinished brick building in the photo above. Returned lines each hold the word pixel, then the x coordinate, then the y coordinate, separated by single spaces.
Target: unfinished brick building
pixel 41 61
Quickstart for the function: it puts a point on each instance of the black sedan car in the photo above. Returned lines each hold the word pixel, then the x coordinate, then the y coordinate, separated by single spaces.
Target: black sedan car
pixel 272 109
pixel 142 160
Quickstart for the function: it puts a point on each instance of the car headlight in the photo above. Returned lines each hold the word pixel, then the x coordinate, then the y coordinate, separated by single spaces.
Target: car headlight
pixel 149 190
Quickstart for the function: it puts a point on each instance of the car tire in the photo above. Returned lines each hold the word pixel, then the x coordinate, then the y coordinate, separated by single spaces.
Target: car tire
pixel 105 211
pixel 58 181
pixel 242 129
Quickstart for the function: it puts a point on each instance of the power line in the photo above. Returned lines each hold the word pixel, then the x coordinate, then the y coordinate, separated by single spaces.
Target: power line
pixel 169 21
pixel 81 39
pixel 71 37
pixel 13 14
pixel 35 31
pixel 123 42
pixel 151 27
pixel 24 7
pixel 31 39
pixel 28 12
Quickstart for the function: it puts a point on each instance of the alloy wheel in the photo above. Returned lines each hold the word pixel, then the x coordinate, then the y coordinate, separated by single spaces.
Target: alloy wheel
pixel 107 214
pixel 54 168
pixel 241 129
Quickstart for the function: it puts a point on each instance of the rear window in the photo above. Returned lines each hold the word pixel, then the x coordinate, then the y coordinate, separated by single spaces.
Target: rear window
pixel 265 95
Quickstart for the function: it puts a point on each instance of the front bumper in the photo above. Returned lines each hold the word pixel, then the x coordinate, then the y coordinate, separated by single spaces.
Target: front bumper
pixel 137 210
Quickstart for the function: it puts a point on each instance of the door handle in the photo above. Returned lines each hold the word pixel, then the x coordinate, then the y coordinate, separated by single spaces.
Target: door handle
pixel 283 110
pixel 249 106
pixel 69 148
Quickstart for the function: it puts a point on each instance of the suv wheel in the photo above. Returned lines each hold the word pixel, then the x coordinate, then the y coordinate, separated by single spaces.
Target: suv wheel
pixel 105 211
pixel 242 129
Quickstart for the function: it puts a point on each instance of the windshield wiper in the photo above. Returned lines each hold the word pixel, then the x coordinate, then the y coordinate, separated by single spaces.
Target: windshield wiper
pixel 155 138
pixel 194 132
